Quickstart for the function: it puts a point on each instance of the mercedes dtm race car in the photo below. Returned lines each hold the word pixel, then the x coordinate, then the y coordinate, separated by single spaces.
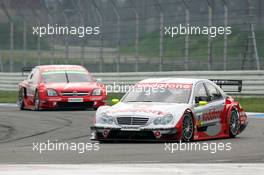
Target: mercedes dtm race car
pixel 60 86
pixel 170 109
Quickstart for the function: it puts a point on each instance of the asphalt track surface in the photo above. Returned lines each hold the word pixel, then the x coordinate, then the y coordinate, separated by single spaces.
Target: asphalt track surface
pixel 20 129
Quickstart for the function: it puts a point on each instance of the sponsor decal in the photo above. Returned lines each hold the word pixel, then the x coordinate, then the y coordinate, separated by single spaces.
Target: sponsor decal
pixel 165 85
pixel 203 117
pixel 212 115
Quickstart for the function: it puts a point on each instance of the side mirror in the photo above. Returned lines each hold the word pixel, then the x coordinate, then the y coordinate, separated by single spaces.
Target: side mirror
pixel 115 101
pixel 99 80
pixel 202 103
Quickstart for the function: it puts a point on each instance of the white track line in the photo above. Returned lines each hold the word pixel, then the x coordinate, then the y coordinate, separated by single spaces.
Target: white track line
pixel 121 169
pixel 8 105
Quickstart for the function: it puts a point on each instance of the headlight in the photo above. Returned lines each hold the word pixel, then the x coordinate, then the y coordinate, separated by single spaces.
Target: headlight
pixel 96 92
pixel 51 93
pixel 163 120
pixel 106 119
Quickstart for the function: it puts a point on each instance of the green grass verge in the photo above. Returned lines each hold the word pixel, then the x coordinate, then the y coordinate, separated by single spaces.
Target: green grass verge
pixel 8 96
pixel 252 104
pixel 11 96
pixel 249 104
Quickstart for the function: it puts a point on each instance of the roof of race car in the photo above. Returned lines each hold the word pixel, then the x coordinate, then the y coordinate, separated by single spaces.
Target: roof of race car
pixel 58 67
pixel 171 80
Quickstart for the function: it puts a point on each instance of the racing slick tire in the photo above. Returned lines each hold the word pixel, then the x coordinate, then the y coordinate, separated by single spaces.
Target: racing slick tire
pixel 233 124
pixel 187 128
pixel 21 97
pixel 36 101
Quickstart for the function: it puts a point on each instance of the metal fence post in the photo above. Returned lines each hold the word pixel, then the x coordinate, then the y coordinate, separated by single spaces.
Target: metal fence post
pixel 11 51
pixel 66 39
pixel 11 38
pixel 1 62
pixel 137 35
pixel 101 23
pixel 39 50
pixel 117 34
pixel 209 45
pixel 38 45
pixel 78 9
pixel 255 46
pixel 161 39
pixel 52 45
pixel 38 38
pixel 186 47
pixel 252 31
pixel 24 42
pixel 225 35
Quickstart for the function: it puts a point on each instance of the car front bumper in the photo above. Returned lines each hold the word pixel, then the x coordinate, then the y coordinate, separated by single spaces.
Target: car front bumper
pixel 155 134
pixel 75 102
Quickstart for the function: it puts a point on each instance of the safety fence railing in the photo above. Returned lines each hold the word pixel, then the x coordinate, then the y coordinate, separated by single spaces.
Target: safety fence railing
pixel 252 81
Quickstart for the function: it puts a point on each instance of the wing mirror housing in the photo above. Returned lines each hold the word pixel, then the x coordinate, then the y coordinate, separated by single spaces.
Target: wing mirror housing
pixel 115 101
pixel 203 103
pixel 99 80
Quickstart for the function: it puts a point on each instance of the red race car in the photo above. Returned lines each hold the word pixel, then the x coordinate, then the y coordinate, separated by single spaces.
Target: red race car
pixel 60 86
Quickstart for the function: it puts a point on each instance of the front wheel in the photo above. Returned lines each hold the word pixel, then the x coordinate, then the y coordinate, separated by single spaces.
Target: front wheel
pixel 187 128
pixel 36 102
pixel 233 124
pixel 21 102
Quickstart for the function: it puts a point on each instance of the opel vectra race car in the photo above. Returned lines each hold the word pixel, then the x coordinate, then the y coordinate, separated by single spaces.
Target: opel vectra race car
pixel 170 109
pixel 60 86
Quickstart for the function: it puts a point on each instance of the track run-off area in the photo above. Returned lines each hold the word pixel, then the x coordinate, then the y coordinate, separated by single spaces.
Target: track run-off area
pixel 20 130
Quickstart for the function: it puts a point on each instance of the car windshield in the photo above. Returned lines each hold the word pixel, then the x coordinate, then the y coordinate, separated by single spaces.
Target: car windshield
pixel 165 95
pixel 66 76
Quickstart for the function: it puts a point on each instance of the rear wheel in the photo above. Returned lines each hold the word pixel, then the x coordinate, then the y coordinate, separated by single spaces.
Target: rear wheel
pixel 21 99
pixel 187 128
pixel 233 124
pixel 36 101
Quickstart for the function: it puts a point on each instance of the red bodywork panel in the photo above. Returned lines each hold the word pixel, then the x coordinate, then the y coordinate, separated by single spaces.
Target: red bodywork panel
pixel 230 104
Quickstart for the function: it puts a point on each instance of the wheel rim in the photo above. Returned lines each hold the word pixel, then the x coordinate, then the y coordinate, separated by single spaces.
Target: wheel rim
pixel 233 125
pixel 187 128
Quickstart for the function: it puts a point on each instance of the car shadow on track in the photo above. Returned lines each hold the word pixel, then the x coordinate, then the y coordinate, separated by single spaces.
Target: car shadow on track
pixel 62 110
pixel 158 141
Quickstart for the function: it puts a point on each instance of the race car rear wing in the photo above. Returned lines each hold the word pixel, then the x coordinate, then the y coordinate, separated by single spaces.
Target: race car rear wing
pixel 229 85
pixel 26 69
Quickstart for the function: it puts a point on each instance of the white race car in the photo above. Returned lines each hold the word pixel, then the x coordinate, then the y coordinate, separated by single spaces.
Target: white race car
pixel 170 109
